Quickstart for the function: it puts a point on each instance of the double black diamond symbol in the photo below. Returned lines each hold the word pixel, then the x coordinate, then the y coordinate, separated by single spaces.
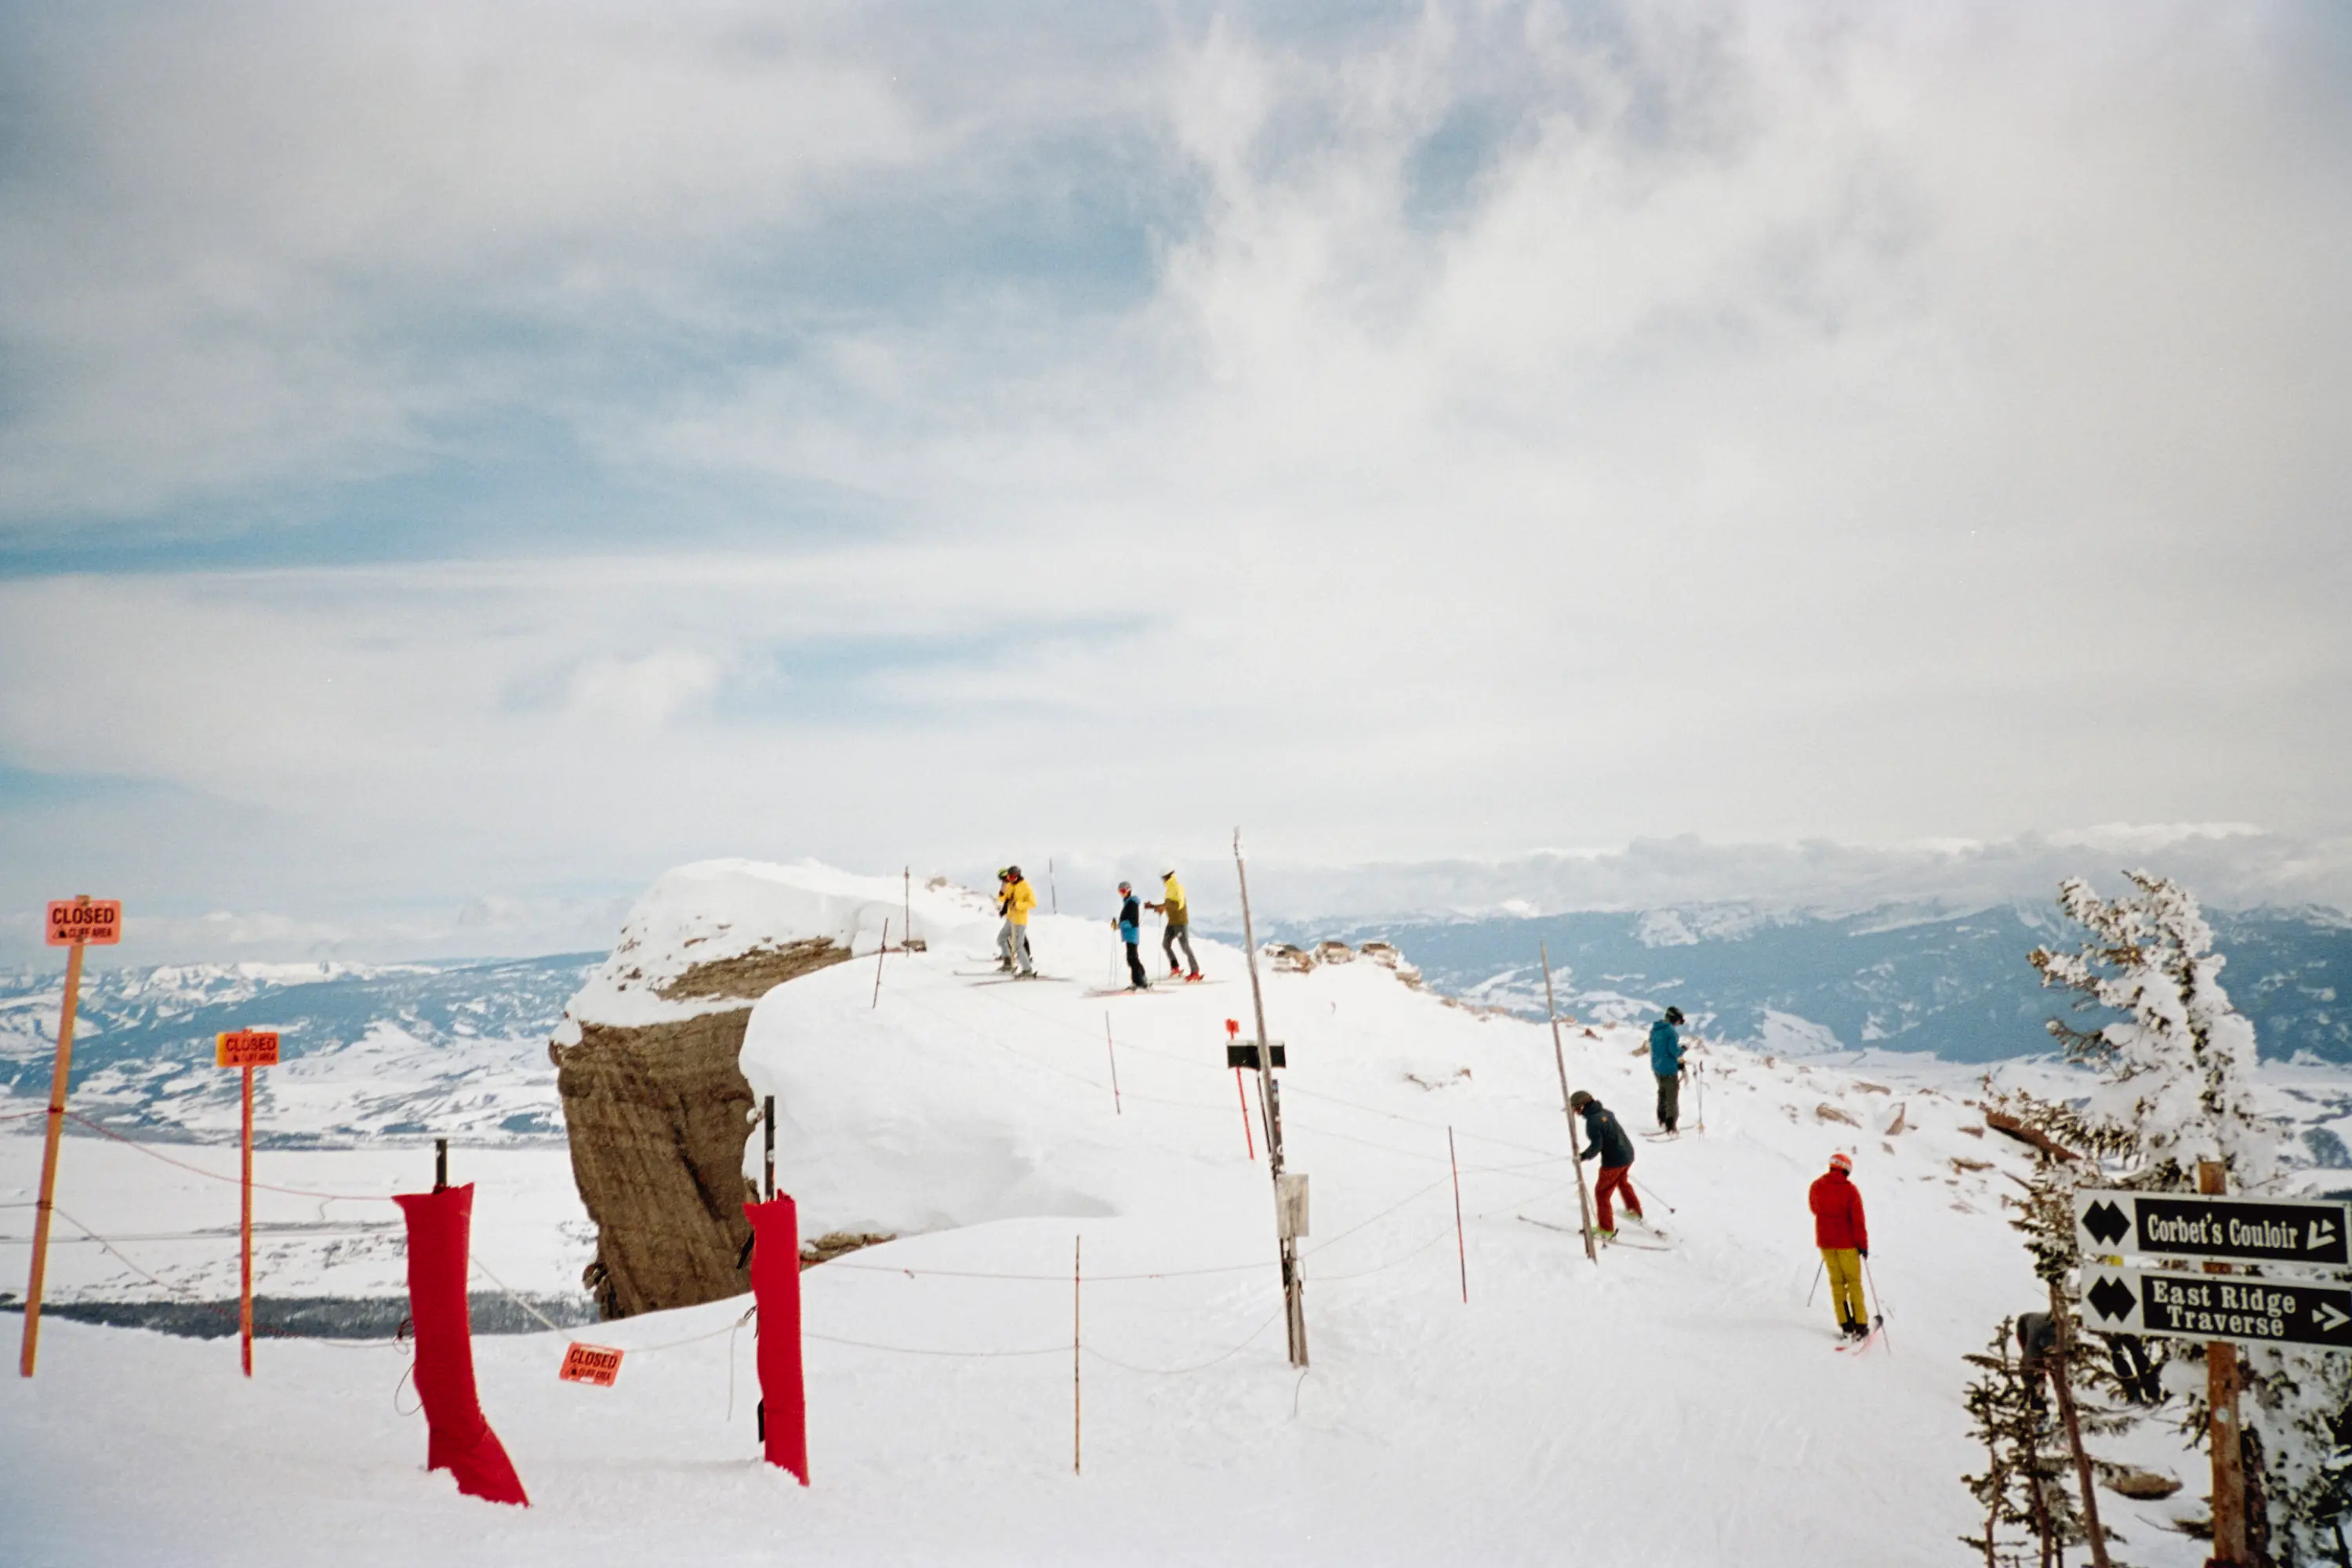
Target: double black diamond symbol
pixel 2106 1222
pixel 2112 1297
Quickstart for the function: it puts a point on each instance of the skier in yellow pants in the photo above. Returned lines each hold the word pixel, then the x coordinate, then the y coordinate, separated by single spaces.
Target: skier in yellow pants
pixel 1844 1237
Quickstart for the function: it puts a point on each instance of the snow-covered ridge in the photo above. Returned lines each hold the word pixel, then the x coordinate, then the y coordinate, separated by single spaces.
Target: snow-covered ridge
pixel 714 911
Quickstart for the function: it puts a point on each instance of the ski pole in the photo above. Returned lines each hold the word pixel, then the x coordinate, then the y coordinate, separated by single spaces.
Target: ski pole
pixel 1882 1303
pixel 1818 1269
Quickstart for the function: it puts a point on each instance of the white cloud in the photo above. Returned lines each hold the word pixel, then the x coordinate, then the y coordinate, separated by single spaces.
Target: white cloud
pixel 1790 427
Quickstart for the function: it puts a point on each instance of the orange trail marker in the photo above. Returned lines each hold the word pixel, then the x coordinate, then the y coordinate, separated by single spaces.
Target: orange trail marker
pixel 246 1049
pixel 73 923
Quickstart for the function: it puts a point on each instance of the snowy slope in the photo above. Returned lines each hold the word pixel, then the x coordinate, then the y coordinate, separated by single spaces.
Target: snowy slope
pixel 1681 1406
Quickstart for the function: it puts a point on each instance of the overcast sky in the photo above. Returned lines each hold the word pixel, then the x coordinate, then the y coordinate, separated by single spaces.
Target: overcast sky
pixel 463 460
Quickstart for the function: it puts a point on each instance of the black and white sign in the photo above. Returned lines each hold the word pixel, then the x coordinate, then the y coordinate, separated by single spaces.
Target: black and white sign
pixel 2185 1225
pixel 2217 1307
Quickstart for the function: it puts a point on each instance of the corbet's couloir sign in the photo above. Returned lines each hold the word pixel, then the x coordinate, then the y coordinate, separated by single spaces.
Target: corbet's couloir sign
pixel 2185 1225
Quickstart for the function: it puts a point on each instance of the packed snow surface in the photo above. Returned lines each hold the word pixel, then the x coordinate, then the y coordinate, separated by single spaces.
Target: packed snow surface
pixel 1680 1403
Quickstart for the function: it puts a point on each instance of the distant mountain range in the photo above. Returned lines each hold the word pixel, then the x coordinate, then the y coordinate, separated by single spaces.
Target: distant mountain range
pixel 448 1047
pixel 460 1048
pixel 1957 986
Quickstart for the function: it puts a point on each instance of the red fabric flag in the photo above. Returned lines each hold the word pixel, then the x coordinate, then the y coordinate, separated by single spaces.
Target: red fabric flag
pixel 776 1287
pixel 458 1440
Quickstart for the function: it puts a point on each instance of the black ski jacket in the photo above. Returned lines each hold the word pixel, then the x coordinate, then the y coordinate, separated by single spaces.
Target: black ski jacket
pixel 1608 1139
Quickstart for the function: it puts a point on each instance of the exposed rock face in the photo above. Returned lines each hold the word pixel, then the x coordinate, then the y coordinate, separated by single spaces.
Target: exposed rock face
pixel 657 1115
pixel 653 1099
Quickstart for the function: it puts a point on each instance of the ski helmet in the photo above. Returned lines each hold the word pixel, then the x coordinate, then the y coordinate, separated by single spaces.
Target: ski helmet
pixel 1012 873
pixel 1673 1015
pixel 1126 886
pixel 1842 1161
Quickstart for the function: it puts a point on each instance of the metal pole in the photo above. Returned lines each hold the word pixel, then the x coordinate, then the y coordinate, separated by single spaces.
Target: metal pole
pixel 440 1164
pixel 58 1075
pixel 1294 1308
pixel 2222 1437
pixel 245 1232
pixel 1559 1060
pixel 767 1125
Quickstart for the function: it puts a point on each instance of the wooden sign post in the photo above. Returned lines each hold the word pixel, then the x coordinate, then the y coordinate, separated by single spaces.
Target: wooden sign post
pixel 1559 1059
pixel 73 925
pixel 1290 1191
pixel 246 1049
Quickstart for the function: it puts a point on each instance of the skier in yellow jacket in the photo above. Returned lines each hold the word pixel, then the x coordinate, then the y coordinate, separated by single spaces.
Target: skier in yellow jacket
pixel 1179 926
pixel 1020 898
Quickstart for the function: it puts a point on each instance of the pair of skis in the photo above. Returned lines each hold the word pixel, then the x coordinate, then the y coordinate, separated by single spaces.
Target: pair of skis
pixel 1657 1243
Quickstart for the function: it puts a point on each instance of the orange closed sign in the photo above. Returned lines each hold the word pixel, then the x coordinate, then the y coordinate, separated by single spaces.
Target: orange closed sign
pixel 77 922
pixel 599 1364
pixel 246 1049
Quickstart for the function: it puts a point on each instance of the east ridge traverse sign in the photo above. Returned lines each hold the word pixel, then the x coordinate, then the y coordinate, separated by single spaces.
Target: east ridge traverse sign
pixel 2217 1307
pixel 2236 1230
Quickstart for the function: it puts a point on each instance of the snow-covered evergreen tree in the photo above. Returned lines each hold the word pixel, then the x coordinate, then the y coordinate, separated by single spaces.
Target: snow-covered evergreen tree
pixel 2177 1087
pixel 2178 1068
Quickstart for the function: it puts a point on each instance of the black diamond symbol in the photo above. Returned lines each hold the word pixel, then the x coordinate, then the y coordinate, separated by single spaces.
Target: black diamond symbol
pixel 2113 1297
pixel 2106 1222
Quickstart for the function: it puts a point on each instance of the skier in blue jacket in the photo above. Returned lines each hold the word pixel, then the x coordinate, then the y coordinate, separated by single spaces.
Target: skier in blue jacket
pixel 1131 931
pixel 1666 1062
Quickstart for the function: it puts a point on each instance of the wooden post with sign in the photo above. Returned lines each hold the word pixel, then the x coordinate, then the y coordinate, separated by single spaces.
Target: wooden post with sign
pixel 1270 1103
pixel 1559 1059
pixel 246 1049
pixel 73 925
pixel 2221 1435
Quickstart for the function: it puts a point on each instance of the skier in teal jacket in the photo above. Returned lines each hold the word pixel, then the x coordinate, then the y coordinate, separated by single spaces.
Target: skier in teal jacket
pixel 1666 1062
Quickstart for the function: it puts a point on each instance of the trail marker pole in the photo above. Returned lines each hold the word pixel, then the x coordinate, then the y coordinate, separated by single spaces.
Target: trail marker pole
pixel 2221 1434
pixel 440 1164
pixel 1078 1425
pixel 1270 1103
pixel 880 954
pixel 246 1049
pixel 245 1227
pixel 1461 1248
pixel 73 925
pixel 768 1129
pixel 1113 1050
pixel 1052 890
pixel 1559 1059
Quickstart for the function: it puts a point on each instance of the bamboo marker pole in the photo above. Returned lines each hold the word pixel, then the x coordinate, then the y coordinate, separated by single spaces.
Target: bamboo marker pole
pixel 245 1232
pixel 1461 1248
pixel 59 1076
pixel 1559 1057
pixel 1113 1050
pixel 1249 1138
pixel 1078 1425
pixel 880 954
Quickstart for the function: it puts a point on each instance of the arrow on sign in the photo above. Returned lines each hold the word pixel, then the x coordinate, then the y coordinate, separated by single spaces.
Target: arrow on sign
pixel 2323 1234
pixel 2104 1221
pixel 2329 1318
pixel 2113 1297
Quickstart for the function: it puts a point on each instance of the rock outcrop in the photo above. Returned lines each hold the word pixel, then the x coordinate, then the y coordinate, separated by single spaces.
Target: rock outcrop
pixel 654 1103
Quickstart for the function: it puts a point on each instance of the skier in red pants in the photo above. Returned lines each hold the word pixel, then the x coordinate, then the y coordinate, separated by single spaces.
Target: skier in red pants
pixel 1608 1140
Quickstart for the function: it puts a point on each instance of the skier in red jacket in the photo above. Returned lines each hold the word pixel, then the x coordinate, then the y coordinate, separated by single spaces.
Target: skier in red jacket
pixel 1844 1237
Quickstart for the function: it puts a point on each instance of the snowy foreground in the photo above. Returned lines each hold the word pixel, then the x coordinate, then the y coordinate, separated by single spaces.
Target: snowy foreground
pixel 1682 1406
